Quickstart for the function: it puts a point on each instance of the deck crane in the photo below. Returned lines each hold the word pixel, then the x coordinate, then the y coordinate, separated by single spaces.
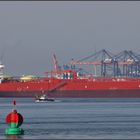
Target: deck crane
pixel 55 62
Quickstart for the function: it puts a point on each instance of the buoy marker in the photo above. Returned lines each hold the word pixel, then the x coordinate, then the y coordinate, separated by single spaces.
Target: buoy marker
pixel 14 120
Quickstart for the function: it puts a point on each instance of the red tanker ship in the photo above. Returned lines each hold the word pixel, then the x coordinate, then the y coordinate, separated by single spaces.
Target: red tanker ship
pixel 69 84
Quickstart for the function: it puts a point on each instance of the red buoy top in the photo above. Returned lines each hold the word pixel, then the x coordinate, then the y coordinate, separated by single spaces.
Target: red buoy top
pixel 14 103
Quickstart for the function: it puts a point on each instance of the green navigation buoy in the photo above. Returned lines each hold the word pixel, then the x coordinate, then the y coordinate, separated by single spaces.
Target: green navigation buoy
pixel 14 120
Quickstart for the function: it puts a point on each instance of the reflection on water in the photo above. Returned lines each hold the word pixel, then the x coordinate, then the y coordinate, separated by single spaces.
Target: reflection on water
pixel 13 137
pixel 75 118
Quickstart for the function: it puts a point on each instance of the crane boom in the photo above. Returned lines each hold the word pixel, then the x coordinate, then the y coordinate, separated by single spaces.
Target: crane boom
pixel 55 62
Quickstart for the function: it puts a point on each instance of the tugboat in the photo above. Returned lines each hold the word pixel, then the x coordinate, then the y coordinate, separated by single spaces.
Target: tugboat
pixel 43 98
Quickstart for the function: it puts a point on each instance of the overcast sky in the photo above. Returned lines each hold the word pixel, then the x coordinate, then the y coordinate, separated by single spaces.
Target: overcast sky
pixel 30 32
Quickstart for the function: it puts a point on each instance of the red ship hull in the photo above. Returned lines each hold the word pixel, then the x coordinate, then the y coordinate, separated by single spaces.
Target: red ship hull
pixel 73 88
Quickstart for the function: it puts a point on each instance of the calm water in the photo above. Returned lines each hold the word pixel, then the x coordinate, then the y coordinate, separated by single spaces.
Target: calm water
pixel 76 118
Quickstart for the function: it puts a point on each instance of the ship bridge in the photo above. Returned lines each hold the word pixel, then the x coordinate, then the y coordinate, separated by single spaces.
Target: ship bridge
pixel 62 74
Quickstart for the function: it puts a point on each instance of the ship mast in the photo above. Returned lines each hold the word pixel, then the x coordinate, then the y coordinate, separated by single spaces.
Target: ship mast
pixel 1 72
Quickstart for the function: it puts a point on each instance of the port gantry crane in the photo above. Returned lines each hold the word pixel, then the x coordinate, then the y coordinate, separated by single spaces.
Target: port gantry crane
pixel 101 58
pixel 125 63
pixel 129 63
